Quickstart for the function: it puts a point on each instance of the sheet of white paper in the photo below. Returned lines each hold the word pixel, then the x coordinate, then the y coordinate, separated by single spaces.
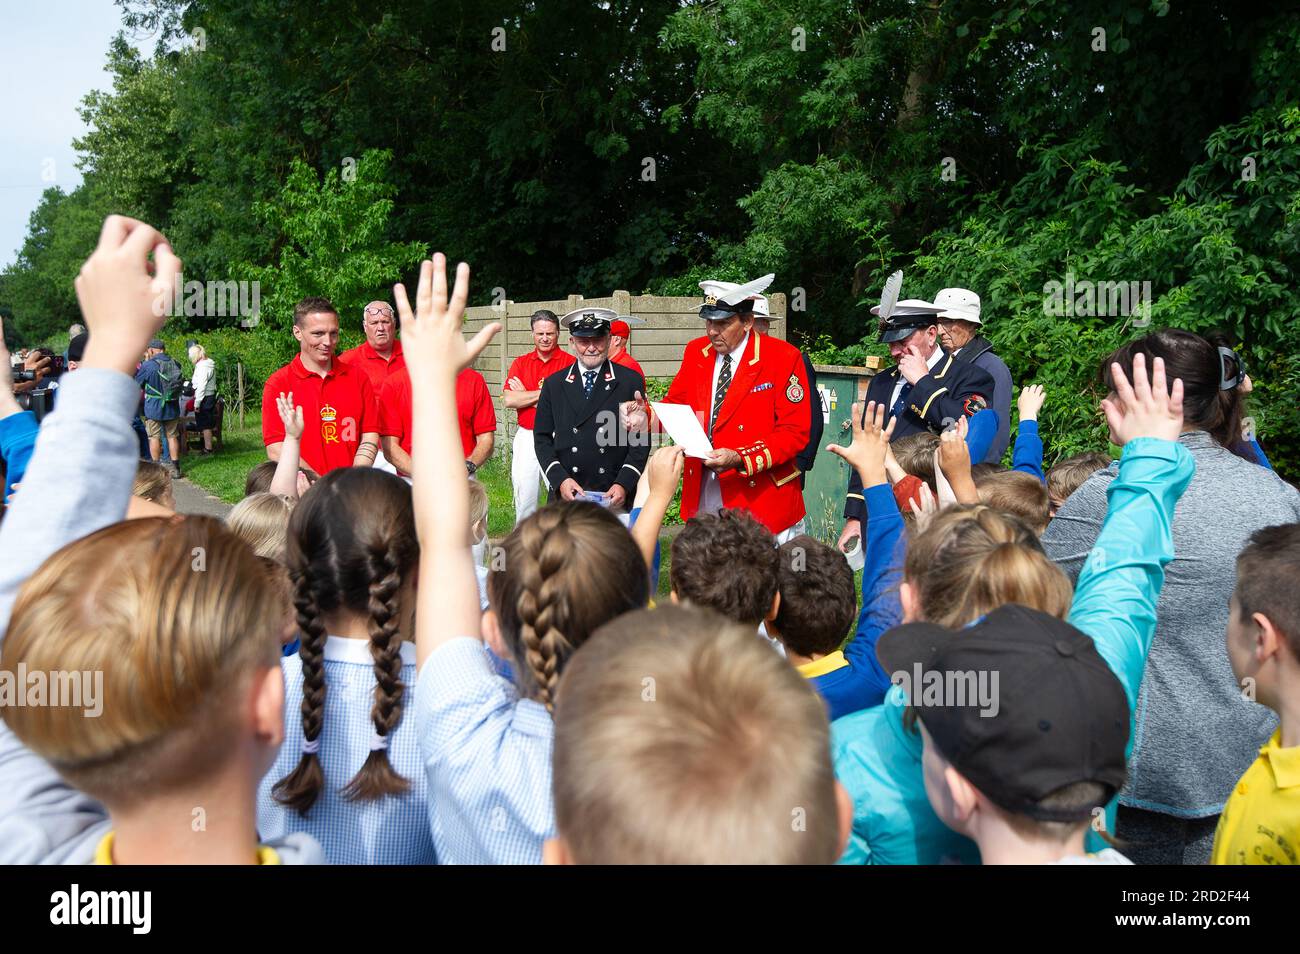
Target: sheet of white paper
pixel 684 428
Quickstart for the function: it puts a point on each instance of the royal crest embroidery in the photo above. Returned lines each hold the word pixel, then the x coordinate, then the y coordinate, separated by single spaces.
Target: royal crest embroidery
pixel 974 404
pixel 329 430
pixel 794 391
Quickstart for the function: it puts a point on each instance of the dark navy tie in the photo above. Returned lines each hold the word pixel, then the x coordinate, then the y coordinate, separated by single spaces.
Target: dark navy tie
pixel 588 382
pixel 901 404
pixel 720 393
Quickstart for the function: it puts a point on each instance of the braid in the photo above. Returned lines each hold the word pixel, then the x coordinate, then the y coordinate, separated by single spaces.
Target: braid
pixel 301 787
pixel 377 777
pixel 545 544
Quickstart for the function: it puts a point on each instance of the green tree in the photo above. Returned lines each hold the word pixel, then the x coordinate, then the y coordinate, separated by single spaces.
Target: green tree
pixel 333 238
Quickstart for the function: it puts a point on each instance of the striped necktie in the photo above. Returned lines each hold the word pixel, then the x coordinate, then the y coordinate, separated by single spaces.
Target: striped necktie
pixel 720 393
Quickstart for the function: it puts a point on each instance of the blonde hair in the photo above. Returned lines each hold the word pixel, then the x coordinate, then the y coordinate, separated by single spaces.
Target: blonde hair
pixel 261 521
pixel 153 482
pixel 1017 493
pixel 972 559
pixel 727 761
pixel 915 454
pixel 1069 475
pixel 197 353
pixel 568 569
pixel 478 507
pixel 176 642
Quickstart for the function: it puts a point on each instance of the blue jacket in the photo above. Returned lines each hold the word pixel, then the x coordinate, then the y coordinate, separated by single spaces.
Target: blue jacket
pixel 1027 455
pixel 879 761
pixel 854 679
pixel 17 439
pixel 156 390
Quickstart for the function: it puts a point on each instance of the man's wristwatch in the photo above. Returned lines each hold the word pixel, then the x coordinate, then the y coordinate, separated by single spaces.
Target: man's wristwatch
pixel 471 467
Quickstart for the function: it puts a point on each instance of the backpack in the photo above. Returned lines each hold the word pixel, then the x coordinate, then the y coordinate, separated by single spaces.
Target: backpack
pixel 169 380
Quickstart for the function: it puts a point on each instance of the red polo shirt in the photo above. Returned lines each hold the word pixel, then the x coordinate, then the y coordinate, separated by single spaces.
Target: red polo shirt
pixel 627 361
pixel 531 369
pixel 369 360
pixel 473 409
pixel 336 409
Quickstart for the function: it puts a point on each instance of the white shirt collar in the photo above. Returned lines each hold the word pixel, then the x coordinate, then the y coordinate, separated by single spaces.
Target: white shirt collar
pixel 345 649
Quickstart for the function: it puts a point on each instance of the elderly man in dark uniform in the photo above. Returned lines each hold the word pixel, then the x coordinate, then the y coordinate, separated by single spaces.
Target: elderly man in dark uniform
pixel 959 333
pixel 927 389
pixel 582 447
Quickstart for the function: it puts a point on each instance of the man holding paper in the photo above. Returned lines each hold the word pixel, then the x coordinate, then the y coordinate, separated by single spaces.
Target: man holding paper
pixel 750 395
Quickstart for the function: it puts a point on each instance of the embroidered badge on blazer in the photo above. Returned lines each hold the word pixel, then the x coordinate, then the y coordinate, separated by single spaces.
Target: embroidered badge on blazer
pixel 974 404
pixel 794 391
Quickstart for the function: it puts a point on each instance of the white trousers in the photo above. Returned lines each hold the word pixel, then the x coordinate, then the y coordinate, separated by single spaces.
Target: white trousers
pixel 525 473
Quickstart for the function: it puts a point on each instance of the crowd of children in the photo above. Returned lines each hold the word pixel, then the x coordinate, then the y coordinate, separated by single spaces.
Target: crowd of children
pixel 340 673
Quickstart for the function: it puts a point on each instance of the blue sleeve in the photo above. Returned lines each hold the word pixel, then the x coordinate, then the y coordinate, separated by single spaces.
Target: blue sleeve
pixel 1115 598
pixel 632 518
pixel 980 433
pixel 17 438
pixel 881 541
pixel 1027 455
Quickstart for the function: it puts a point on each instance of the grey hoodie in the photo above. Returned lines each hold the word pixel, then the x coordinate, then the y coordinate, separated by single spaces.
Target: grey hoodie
pixel 78 481
pixel 1195 732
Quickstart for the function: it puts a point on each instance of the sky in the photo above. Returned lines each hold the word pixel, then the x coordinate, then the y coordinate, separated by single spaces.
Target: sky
pixel 52 53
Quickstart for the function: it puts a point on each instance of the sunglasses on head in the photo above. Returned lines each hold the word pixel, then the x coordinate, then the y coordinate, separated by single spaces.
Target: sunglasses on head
pixel 380 311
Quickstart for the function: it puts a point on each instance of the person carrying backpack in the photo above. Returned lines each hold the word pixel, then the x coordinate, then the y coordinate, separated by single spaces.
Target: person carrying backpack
pixel 160 377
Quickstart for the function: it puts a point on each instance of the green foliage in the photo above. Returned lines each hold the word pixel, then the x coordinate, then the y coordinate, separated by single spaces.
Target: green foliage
pixel 333 240
pixel 998 147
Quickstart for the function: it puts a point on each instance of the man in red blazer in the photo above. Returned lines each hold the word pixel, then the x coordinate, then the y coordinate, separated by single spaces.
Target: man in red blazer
pixel 750 393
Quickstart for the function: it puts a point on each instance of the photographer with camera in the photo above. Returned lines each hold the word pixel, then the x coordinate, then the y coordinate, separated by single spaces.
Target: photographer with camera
pixel 17 427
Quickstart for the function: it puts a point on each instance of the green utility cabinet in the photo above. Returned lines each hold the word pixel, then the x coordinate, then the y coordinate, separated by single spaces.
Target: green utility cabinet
pixel 823 493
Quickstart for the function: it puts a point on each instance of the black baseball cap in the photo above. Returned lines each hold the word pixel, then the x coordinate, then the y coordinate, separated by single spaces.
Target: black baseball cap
pixel 1060 716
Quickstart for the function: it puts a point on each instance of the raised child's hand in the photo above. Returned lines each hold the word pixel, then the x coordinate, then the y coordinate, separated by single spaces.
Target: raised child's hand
pixel 1144 409
pixel 290 415
pixel 1030 401
pixel 125 297
pixel 867 452
pixel 665 470
pixel 431 336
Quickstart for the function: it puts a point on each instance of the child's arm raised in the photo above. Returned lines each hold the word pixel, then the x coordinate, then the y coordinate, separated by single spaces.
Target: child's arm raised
pixel 448 604
pixel 663 474
pixel 1115 599
pixel 285 481
pixel 80 474
pixel 884 529
pixel 1027 455
pixel 79 481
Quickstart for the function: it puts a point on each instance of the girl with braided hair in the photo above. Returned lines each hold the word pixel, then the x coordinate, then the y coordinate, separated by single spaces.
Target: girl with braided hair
pixel 349 772
pixel 566 570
